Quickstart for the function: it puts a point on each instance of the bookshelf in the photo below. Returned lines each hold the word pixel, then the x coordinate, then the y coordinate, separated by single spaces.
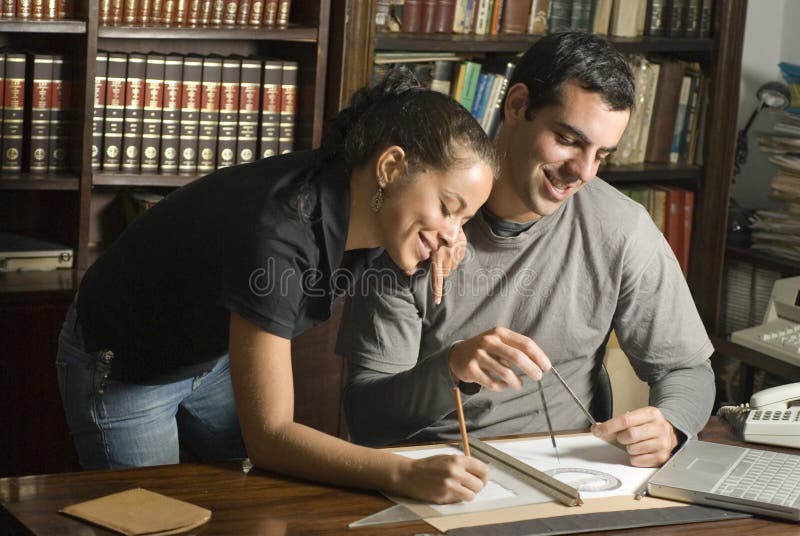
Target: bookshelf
pixel 356 43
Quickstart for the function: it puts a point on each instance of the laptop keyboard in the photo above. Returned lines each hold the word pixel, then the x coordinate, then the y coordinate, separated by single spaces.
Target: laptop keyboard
pixel 764 476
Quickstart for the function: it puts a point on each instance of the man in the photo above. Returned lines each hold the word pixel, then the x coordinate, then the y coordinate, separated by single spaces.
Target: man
pixel 557 258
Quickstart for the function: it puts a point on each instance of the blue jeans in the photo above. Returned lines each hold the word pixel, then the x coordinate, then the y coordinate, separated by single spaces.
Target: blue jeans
pixel 115 424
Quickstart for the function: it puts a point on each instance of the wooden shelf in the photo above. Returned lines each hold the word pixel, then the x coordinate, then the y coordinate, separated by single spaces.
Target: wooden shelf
pixel 43 26
pixel 26 181
pixel 763 260
pixel 294 33
pixel 724 347
pixel 121 179
pixel 650 172
pixel 476 44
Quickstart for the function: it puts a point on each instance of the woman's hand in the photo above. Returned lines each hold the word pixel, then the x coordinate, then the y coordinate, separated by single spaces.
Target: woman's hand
pixel 443 261
pixel 446 478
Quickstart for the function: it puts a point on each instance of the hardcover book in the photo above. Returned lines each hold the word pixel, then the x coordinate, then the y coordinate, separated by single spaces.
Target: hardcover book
pixel 288 107
pixel 40 89
pixel 114 111
pixel 209 114
pixel 151 113
pixel 537 20
pixel 60 105
pixel 515 16
pixel 98 119
pixel 249 93
pixel 190 113
pixel 170 114
pixel 13 112
pixel 134 108
pixel 229 112
pixel 270 108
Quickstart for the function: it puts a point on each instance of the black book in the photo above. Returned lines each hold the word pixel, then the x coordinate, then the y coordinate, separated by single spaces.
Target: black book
pixel 228 112
pixel 209 114
pixel 13 112
pixel 170 114
pixel 134 109
pixel 114 117
pixel 190 113
pixel 98 119
pixel 249 96
pixel 151 112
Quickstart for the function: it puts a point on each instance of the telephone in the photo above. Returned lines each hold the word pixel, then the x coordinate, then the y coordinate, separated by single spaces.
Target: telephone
pixel 779 333
pixel 772 416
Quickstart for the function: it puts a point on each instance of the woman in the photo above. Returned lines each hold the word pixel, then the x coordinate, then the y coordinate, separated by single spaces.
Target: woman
pixel 197 301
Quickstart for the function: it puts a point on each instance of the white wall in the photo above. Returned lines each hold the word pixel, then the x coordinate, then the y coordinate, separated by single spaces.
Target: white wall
pixel 770 37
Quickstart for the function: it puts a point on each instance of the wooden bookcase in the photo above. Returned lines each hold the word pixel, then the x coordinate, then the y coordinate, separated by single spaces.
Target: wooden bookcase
pixel 354 42
pixel 78 208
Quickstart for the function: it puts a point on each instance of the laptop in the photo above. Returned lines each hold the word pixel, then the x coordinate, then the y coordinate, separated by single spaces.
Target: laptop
pixel 737 478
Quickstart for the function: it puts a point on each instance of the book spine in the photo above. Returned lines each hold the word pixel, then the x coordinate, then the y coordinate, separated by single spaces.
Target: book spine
pixel 581 16
pixel 145 8
pixel 205 12
pixel 104 16
pixel 537 20
pixel 66 9
pixel 168 13
pixel 270 108
pixel 24 8
pixel 181 12
pixel 134 104
pixel 676 18
pixel 688 217
pixel 155 11
pixel 284 7
pixel 249 93
pixel 428 15
pixel 412 16
pixel 691 23
pixel 243 15
pixel 9 9
pixel 116 12
pixel 170 115
pixel 193 15
pixel 190 114
pixel 442 75
pixel 61 100
pixel 51 10
pixel 288 107
pixel 114 112
pixel 515 16
pixel 37 9
pixel 2 100
pixel 13 112
pixel 704 26
pixel 256 13
pixel 41 65
pixel 655 18
pixel 560 15
pixel 209 115
pixel 130 12
pixel 271 12
pixel 229 16
pixel 151 113
pixel 217 12
pixel 98 119
pixel 229 112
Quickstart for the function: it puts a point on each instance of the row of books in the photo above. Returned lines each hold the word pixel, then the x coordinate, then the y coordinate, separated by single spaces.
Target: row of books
pixel 623 18
pixel 169 114
pixel 672 210
pixel 35 98
pixel 36 9
pixel 667 124
pixel 269 13
pixel 479 87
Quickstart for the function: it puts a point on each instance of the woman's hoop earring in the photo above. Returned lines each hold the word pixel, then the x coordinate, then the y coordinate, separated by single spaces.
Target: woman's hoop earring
pixel 377 200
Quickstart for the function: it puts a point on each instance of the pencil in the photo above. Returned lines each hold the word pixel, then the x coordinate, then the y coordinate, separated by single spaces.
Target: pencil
pixel 461 423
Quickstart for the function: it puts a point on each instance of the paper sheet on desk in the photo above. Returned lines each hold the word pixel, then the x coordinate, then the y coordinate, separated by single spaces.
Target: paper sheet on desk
pixel 598 469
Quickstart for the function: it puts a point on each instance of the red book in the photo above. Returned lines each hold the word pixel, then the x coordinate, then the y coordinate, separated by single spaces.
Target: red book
pixel 151 113
pixel 231 9
pixel 100 74
pixel 515 16
pixel 24 8
pixel 9 9
pixel 228 113
pixel 41 89
pixel 116 12
pixel 60 103
pixel 37 9
pixel 104 16
pixel 412 16
pixel 288 107
pixel 217 12
pixel 256 13
pixel 13 112
pixel 181 12
pixel 428 15
pixel 243 16
pixel 193 13
pixel 168 13
pixel 444 13
pixel 270 12
pixel 155 11
pixel 65 9
pixel 205 12
pixel 131 11
pixel 209 115
pixel 270 108
pixel 2 99
pixel 688 217
pixel 143 15
pixel 249 94
pixel 51 9
pixel 674 219
pixel 134 107
pixel 284 6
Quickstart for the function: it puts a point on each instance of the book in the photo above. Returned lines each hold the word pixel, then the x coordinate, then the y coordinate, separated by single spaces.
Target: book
pixel 602 16
pixel 13 112
pixel 130 11
pixel 442 74
pixel 209 114
pixel 9 9
pixel 691 18
pixel 483 17
pixel 665 107
pixel 60 106
pixel 282 20
pixel 155 11
pixel 151 112
pixel 19 252
pixel 114 111
pixel 193 13
pixel 40 86
pixel 37 9
pixel 515 16
pixel 270 107
pixel 427 17
pixel 676 19
pixel 627 18
pixel 24 8
pixel 560 16
pixel 704 25
pixel 271 13
pixel 495 116
pixel 581 16
pixel 249 96
pixel 680 119
pixel 288 107
pixel 243 14
pixel 206 8
pixel 51 10
pixel 2 100
pixel 115 12
pixel 256 13
pixel 228 112
pixel 98 110
pixel 171 114
pixel 471 75
pixel 537 19
pixel 686 240
pixel 191 80
pixel 444 12
pixel 673 232
pixel 412 16
pixel 655 18
pixel 143 15
pixel 217 12
pixel 134 108
pixel 491 100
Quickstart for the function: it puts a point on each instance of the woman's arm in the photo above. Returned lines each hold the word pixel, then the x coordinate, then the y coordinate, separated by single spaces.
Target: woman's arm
pixel 261 371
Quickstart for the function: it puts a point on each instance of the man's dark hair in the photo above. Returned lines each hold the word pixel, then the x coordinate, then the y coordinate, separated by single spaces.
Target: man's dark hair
pixel 580 57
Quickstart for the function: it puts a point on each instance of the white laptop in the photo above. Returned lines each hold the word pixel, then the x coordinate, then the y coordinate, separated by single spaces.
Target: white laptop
pixel 737 478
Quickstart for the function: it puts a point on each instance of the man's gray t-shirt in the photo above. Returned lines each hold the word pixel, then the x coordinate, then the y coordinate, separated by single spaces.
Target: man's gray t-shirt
pixel 598 263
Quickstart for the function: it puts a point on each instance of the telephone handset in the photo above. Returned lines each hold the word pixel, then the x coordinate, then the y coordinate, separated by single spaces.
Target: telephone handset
pixel 772 416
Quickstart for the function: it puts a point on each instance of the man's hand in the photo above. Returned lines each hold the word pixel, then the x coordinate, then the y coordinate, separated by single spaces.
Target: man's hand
pixel 443 261
pixel 487 359
pixel 647 436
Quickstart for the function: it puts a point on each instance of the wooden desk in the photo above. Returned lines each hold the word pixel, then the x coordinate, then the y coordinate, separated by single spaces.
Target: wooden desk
pixel 261 503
